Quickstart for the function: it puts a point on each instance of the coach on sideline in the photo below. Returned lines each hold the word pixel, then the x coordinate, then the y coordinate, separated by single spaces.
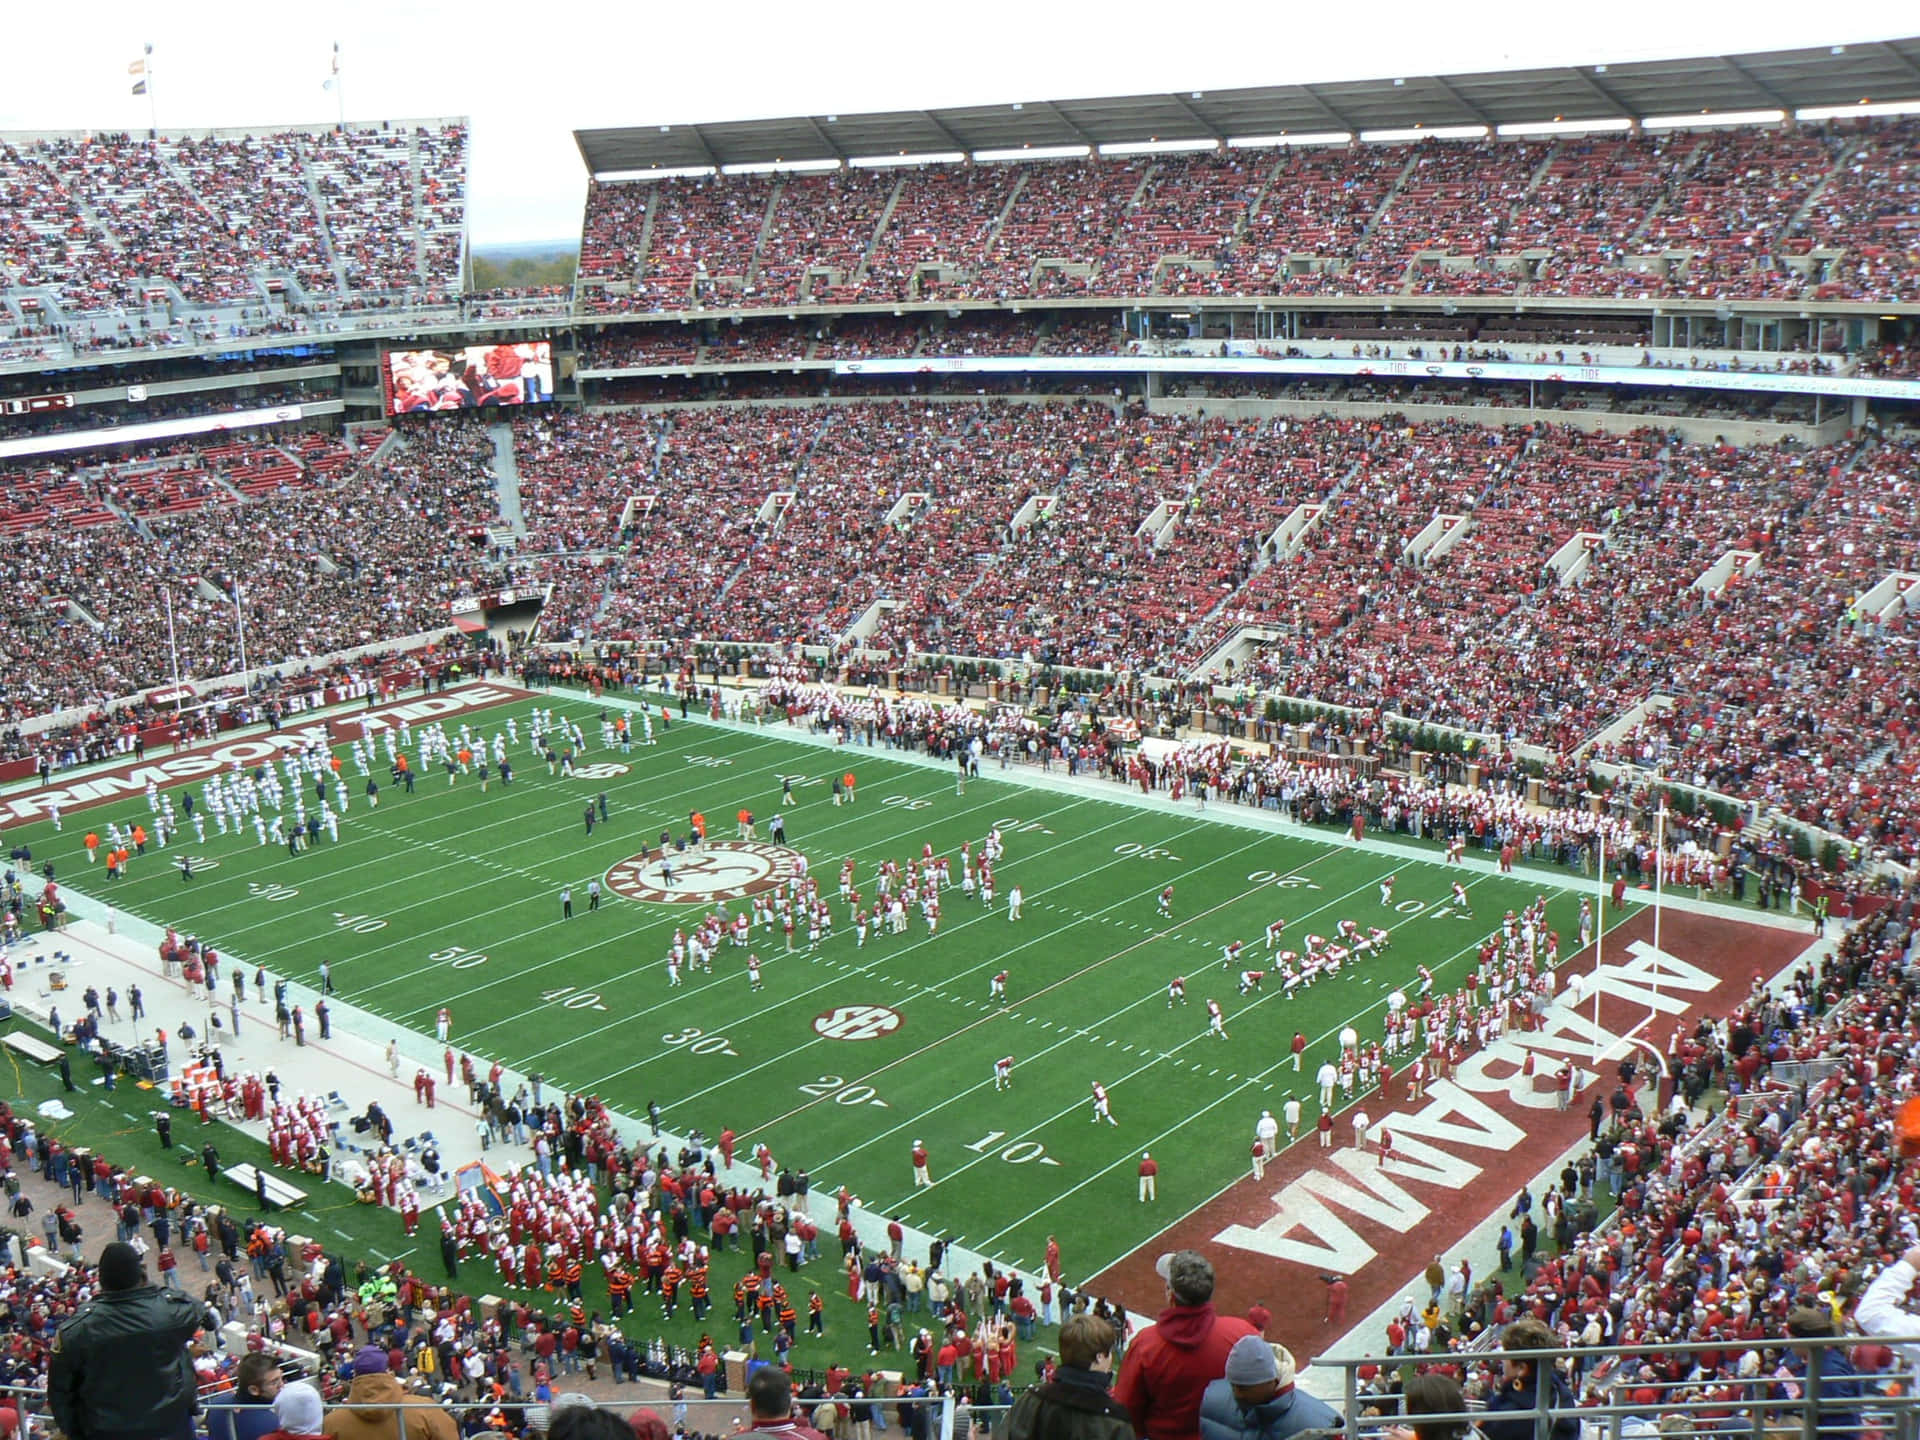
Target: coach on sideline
pixel 1170 1363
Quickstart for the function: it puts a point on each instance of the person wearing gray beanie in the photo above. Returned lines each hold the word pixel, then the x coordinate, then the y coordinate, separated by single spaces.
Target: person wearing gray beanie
pixel 1256 1398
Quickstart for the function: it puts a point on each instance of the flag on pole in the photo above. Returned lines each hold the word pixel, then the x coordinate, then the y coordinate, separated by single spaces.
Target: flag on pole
pixel 140 87
pixel 333 78
pixel 138 67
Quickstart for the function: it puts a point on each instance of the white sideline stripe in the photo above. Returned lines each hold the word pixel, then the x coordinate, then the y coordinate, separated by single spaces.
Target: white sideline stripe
pixel 1167 1055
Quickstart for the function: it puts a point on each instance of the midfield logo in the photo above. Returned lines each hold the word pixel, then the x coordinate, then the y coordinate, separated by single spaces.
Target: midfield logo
pixel 722 870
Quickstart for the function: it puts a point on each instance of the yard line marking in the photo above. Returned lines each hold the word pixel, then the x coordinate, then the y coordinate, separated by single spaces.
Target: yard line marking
pixel 868 969
pixel 1079 1033
pixel 1131 899
pixel 1172 1056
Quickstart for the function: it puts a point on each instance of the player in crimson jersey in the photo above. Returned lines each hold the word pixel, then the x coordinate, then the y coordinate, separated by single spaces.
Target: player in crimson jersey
pixel 1176 990
pixel 1003 1073
pixel 1101 1108
pixel 997 987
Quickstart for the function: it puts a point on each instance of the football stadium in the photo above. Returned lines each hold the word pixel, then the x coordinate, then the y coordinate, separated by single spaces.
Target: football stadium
pixel 1240 761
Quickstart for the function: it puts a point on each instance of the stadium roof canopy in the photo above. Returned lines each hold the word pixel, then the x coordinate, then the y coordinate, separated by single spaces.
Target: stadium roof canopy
pixel 1723 84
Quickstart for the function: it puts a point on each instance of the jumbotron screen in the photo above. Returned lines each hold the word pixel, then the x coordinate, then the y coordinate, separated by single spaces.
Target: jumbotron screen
pixel 471 378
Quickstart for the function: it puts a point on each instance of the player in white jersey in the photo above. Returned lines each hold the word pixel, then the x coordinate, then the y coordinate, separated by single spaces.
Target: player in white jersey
pixel 753 971
pixel 673 966
pixel 1014 899
pixel 1003 1073
pixel 1216 1022
pixel 1102 1110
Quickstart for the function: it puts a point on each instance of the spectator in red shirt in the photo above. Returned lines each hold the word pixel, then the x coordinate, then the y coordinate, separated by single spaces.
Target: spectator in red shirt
pixel 1170 1364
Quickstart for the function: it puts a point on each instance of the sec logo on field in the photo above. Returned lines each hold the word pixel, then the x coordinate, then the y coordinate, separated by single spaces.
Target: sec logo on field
pixel 857 1022
pixel 723 870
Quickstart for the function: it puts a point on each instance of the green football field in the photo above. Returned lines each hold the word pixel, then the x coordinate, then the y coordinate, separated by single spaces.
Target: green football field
pixel 848 1055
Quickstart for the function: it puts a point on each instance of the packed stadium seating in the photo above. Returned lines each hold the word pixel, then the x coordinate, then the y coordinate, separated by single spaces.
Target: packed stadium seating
pixel 323 554
pixel 1158 544
pixel 1759 212
pixel 112 227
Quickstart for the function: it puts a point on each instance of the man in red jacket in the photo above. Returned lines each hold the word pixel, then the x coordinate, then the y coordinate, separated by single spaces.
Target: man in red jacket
pixel 1170 1363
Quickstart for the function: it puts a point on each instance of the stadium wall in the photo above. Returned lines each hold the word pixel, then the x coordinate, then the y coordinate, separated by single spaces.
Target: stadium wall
pixel 1698 430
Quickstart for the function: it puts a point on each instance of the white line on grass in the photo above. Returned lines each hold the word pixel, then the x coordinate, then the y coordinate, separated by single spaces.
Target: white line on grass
pixel 998 960
pixel 1082 1032
pixel 1168 1056
pixel 1469 948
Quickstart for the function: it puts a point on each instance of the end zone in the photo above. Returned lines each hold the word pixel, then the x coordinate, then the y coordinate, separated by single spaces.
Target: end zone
pixel 1464 1149
pixel 115 782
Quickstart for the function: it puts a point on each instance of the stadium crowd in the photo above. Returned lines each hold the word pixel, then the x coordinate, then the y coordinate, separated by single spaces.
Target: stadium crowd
pixel 1727 1230
pixel 1777 212
pixel 320 547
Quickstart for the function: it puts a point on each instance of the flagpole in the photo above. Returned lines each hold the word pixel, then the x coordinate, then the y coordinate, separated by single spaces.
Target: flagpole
pixel 1659 883
pixel 339 89
pixel 1599 946
pixel 153 106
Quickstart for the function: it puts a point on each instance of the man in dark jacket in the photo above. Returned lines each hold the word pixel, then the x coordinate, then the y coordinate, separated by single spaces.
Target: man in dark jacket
pixel 1256 1400
pixel 120 1369
pixel 1840 1388
pixel 1521 1387
pixel 1170 1363
pixel 1074 1405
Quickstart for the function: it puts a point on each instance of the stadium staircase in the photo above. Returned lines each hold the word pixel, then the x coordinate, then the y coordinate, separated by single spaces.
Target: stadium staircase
pixel 775 194
pixel 414 170
pixel 314 197
pixel 1242 642
pixel 1000 221
pixel 859 276
pixel 506 475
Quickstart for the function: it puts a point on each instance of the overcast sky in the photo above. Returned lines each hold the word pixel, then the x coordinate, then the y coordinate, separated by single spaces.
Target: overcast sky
pixel 530 73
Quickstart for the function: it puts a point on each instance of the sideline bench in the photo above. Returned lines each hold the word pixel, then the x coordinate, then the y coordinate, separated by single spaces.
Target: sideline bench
pixel 31 1046
pixel 279 1193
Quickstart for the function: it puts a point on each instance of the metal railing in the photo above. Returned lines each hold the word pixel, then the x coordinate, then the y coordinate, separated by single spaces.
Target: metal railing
pixel 1773 1401
pixel 945 1415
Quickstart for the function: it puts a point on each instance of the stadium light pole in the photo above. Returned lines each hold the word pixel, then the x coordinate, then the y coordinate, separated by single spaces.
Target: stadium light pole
pixel 240 622
pixel 173 650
